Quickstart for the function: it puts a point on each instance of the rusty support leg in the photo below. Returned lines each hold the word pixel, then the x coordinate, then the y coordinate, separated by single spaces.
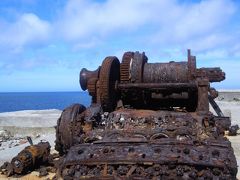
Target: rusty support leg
pixel 203 103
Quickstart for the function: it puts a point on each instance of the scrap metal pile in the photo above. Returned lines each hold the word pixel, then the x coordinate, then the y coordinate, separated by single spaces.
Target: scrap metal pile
pixel 146 121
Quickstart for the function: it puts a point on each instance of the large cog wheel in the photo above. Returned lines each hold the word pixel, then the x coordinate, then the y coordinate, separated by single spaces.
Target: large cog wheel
pixel 109 74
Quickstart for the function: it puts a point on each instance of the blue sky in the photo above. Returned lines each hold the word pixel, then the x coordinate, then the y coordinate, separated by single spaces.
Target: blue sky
pixel 44 44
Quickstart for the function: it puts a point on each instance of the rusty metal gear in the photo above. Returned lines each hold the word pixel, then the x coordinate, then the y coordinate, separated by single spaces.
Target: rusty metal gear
pixel 125 66
pixel 92 88
pixel 109 74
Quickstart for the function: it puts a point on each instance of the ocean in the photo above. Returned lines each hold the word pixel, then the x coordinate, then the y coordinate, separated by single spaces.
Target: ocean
pixel 16 101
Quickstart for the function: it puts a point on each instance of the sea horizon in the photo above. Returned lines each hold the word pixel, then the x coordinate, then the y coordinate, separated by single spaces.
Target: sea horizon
pixel 18 101
pixel 40 91
pixel 66 91
pixel 47 100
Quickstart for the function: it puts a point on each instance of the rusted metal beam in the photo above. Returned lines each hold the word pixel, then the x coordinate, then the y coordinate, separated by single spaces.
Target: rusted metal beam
pixel 150 86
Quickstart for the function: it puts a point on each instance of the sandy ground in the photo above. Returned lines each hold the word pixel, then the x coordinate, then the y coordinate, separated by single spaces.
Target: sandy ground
pixel 39 124
pixel 15 126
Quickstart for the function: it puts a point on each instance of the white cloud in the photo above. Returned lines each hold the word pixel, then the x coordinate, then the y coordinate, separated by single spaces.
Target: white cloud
pixel 81 19
pixel 174 22
pixel 169 25
pixel 209 41
pixel 27 29
pixel 203 18
pixel 200 25
pixel 86 24
pixel 91 43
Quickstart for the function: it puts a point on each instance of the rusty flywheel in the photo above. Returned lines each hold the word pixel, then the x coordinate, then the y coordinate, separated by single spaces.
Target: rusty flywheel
pixel 64 139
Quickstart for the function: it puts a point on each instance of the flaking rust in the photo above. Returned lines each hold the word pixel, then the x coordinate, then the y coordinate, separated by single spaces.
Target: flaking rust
pixel 30 158
pixel 146 121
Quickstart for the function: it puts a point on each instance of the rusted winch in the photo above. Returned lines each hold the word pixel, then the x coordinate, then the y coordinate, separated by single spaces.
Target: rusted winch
pixel 146 121
pixel 150 85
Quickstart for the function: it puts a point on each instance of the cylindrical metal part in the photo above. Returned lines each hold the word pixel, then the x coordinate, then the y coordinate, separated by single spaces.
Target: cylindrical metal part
pixel 136 67
pixel 31 157
pixel 172 72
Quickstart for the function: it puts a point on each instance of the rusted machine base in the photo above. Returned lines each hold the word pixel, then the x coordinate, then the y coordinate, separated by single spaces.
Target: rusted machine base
pixel 167 160
pixel 146 144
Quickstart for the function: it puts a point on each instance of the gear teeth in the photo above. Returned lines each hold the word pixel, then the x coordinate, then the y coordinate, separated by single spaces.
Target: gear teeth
pixel 125 66
pixel 92 88
pixel 109 74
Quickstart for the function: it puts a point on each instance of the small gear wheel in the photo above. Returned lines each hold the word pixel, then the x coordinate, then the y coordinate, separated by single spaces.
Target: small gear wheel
pixel 109 74
pixel 125 66
pixel 92 88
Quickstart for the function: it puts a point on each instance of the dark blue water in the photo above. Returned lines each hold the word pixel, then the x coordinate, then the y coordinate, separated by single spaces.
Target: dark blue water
pixel 41 100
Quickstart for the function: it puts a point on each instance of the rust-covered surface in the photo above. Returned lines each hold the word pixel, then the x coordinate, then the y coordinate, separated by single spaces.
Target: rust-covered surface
pixel 28 159
pixel 146 121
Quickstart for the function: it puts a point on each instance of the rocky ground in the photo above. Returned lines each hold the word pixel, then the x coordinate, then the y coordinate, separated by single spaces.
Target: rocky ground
pixel 16 126
pixel 39 124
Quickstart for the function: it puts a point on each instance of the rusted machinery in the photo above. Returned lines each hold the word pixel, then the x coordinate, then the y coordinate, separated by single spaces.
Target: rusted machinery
pixel 28 159
pixel 31 157
pixel 150 85
pixel 146 121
